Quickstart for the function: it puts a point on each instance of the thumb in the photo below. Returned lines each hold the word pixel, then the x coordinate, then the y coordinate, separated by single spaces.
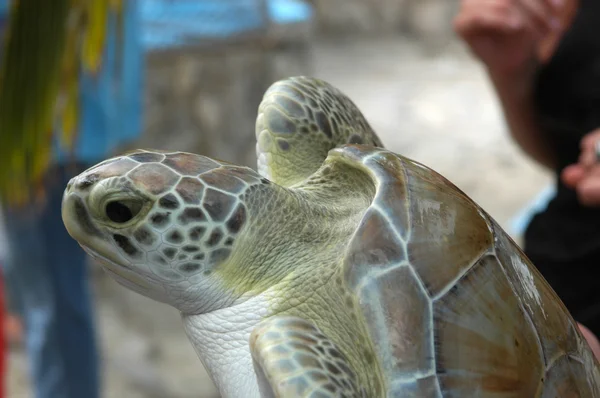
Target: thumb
pixel 573 175
pixel 588 191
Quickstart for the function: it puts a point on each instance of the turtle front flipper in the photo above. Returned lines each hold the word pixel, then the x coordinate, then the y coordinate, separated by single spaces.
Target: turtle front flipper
pixel 300 119
pixel 294 359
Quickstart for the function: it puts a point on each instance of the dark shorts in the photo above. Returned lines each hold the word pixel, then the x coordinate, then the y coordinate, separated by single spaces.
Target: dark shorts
pixel 568 257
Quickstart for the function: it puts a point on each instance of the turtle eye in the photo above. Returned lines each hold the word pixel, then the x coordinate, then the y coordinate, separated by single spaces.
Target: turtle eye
pixel 122 211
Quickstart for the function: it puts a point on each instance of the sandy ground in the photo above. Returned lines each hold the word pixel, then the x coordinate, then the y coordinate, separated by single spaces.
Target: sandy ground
pixel 438 109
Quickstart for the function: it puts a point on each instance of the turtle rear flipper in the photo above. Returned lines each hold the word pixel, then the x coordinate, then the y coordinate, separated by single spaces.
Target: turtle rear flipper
pixel 294 359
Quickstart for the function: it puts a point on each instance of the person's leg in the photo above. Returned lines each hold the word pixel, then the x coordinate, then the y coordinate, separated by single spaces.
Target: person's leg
pixel 70 279
pixel 27 271
pixel 3 344
pixel 13 326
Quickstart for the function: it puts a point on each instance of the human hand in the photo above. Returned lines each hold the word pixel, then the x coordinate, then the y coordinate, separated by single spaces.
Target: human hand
pixel 506 35
pixel 591 339
pixel 584 176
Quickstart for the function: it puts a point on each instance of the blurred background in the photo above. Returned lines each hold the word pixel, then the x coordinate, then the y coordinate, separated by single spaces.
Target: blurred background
pixel 206 66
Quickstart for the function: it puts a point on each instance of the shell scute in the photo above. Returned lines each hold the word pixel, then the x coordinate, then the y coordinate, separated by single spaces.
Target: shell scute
pixel 484 337
pixel 398 317
pixel 546 310
pixel 392 194
pixel 570 364
pixel 448 231
pixel 569 378
pixel 374 247
pixel 433 178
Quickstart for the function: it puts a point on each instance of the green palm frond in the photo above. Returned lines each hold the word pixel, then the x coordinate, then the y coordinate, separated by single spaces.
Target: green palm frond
pixel 48 44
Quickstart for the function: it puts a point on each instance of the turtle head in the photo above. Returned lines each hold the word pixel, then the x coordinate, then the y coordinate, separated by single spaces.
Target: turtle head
pixel 161 223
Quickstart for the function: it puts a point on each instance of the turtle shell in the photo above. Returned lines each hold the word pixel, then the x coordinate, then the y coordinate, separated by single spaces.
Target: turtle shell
pixel 452 305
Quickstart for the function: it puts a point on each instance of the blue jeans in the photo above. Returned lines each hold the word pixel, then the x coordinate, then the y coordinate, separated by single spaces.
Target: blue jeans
pixel 47 281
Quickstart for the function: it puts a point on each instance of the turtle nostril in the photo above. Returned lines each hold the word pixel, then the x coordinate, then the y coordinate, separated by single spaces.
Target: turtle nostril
pixel 121 212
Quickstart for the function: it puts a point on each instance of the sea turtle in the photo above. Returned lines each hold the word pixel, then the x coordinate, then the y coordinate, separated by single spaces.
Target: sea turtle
pixel 339 269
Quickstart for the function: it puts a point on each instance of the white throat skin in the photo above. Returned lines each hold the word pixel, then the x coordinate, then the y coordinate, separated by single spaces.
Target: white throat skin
pixel 221 339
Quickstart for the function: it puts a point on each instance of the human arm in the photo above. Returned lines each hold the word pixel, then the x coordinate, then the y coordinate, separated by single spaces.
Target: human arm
pixel 515 94
pixel 510 37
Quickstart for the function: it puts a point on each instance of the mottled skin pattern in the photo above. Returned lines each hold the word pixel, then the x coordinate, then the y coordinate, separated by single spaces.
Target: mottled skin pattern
pixel 283 346
pixel 341 270
pixel 299 121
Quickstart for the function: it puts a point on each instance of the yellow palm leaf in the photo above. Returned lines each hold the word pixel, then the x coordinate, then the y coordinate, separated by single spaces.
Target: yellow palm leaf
pixel 47 46
pixel 93 43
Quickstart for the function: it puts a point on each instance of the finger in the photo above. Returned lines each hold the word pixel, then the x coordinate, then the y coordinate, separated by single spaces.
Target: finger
pixel 564 11
pixel 540 17
pixel 588 190
pixel 589 156
pixel 476 16
pixel 589 141
pixel 555 5
pixel 573 175
pixel 482 6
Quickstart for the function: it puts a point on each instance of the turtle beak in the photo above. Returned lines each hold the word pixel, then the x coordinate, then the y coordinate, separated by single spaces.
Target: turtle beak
pixel 76 217
pixel 80 226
